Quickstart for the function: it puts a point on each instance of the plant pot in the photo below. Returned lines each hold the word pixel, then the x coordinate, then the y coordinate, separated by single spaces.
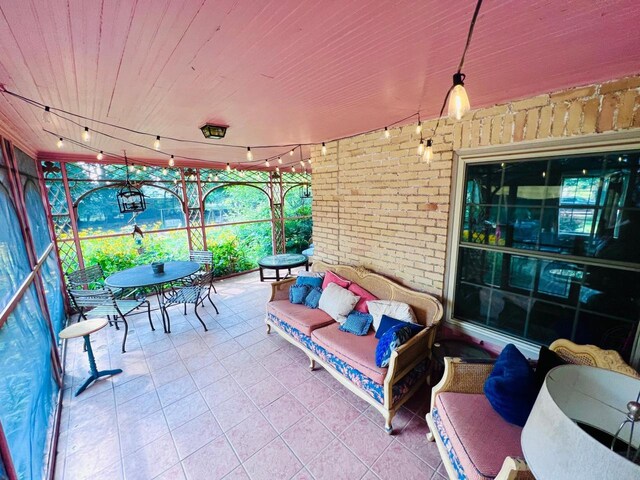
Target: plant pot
pixel 157 267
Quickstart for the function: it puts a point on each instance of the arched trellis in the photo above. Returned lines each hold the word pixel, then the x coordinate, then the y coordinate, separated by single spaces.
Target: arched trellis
pixel 69 182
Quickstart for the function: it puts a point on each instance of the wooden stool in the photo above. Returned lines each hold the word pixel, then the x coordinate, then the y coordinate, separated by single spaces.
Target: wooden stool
pixel 84 329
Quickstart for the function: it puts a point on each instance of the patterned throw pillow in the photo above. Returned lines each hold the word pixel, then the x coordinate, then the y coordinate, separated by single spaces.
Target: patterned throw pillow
pixel 390 341
pixel 313 297
pixel 297 293
pixel 357 323
pixel 387 323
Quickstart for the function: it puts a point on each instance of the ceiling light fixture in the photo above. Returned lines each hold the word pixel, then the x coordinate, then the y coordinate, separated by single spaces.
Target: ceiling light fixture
pixel 213 131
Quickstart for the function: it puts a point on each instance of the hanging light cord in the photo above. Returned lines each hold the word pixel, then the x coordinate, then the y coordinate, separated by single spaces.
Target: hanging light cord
pixel 473 24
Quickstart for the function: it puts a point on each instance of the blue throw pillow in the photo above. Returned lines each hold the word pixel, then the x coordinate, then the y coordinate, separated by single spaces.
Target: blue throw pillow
pixel 388 322
pixel 297 293
pixel 313 297
pixel 311 281
pixel 357 323
pixel 392 339
pixel 511 387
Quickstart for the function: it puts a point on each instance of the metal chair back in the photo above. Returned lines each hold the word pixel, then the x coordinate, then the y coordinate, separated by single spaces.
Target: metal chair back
pixel 85 276
pixel 203 257
pixel 92 298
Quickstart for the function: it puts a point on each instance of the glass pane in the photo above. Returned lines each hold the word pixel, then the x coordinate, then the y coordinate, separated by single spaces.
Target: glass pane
pixel 236 203
pixel 485 224
pixel 119 253
pixel 471 303
pixel 296 204
pixel 237 248
pixel 53 292
pixel 27 386
pixel 508 312
pixel 98 212
pixel 549 321
pixel 524 183
pixel 483 184
pixel 14 263
pixel 607 332
pixel 37 218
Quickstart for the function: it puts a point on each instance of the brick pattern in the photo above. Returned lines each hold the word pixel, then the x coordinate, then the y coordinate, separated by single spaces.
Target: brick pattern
pixel 377 204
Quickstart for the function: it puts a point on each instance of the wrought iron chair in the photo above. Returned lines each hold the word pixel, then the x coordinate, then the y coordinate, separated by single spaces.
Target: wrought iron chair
pixel 88 278
pixel 102 303
pixel 205 259
pixel 191 293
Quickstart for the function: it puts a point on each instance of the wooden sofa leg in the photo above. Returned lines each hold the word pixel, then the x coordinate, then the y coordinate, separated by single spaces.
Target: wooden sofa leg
pixel 430 437
pixel 268 328
pixel 388 428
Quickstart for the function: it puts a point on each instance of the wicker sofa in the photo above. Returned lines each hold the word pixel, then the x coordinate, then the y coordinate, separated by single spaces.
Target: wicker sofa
pixel 473 440
pixel 351 359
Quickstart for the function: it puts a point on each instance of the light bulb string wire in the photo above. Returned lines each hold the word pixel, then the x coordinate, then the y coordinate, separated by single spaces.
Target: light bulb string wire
pixel 470 34
pixel 63 114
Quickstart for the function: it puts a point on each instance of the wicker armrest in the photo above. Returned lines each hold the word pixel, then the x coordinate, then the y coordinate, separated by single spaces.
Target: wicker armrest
pixel 280 289
pixel 462 376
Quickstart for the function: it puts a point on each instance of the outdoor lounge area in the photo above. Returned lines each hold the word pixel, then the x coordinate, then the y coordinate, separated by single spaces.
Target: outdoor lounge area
pixel 272 240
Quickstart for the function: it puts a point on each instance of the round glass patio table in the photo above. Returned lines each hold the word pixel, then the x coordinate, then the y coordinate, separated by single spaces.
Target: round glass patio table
pixel 281 261
pixel 143 276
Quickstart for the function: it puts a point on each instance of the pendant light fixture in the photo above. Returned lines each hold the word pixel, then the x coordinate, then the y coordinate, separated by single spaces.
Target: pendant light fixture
pixel 458 98
pixel 130 198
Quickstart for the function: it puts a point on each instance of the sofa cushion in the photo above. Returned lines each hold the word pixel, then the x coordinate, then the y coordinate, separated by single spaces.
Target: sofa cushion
pixel 298 316
pixel 358 352
pixel 480 438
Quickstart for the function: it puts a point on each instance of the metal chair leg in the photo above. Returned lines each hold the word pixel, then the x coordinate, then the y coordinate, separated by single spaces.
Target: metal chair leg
pixel 195 310
pixel 126 331
pixel 149 314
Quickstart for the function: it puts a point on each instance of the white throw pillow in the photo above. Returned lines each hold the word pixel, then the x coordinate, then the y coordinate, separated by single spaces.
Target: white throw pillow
pixel 390 308
pixel 338 302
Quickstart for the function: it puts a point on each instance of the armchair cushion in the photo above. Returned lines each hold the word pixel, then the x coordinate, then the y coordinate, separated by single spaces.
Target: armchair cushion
pixel 510 388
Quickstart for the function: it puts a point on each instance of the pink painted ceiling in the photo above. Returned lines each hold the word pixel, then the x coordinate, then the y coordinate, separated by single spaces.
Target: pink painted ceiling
pixel 288 71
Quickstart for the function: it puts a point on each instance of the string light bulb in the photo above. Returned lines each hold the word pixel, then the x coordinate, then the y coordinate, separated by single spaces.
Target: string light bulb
pixel 228 167
pixel 458 99
pixel 46 115
pixel 144 168
pixel 60 143
pixel 387 133
pixel 242 173
pixel 419 127
pixel 132 168
pixel 280 160
pixel 293 169
pixel 85 135
pixel 302 163
pixel 164 171
pixel 421 147
pixel 277 169
pixel 172 161
pixel 249 154
pixel 216 178
pixel 291 152
pixel 428 152
pixel 324 149
pixel 100 156
pixel 156 144
pixel 266 163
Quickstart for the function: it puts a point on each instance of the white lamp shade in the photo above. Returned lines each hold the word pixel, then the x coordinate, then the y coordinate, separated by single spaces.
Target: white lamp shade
pixel 556 448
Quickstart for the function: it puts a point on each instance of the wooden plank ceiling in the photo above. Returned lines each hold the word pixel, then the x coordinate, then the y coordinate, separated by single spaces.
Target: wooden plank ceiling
pixel 287 71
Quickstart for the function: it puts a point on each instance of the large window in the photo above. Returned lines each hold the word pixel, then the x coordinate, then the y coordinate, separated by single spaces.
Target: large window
pixel 547 248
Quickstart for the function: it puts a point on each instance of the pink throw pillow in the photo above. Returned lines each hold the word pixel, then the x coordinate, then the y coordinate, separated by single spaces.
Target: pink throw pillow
pixel 364 295
pixel 331 277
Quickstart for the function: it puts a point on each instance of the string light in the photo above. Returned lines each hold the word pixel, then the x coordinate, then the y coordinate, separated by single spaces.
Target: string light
pixel 242 173
pixel 144 168
pixel 164 171
pixel 293 168
pixel 277 169
pixel 291 152
pixel 60 143
pixel 387 133
pixel 324 149
pixel 46 115
pixel 249 154
pixel 216 178
pixel 85 135
pixel 172 161
pixel 132 168
pixel 280 160
pixel 228 167
pixel 156 144
pixel 421 147
pixel 419 127
pixel 100 156
pixel 267 164
pixel 428 153
pixel 302 163
pixel 458 99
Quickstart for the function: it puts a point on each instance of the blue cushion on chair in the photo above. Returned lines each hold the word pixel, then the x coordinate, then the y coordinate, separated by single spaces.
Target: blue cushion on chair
pixel 297 293
pixel 388 322
pixel 510 387
pixel 357 323
pixel 313 297
pixel 311 281
pixel 392 339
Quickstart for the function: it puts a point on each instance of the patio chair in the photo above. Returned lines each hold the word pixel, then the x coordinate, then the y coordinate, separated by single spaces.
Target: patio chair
pixel 205 259
pixel 191 293
pixel 87 278
pixel 102 303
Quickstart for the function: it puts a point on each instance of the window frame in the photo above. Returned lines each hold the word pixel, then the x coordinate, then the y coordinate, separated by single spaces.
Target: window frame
pixel 529 150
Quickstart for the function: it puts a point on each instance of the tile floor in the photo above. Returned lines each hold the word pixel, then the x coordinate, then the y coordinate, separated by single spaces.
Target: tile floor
pixel 232 403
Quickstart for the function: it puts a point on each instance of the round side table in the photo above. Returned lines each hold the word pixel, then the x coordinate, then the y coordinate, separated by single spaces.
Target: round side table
pixel 85 329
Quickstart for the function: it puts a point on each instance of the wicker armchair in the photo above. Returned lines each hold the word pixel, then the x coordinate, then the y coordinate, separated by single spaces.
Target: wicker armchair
pixel 468 377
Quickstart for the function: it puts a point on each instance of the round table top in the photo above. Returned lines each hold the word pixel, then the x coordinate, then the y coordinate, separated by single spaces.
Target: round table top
pixel 283 260
pixel 143 276
pixel 86 327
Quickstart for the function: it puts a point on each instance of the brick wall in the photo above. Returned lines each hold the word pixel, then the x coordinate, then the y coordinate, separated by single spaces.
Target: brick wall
pixel 377 204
